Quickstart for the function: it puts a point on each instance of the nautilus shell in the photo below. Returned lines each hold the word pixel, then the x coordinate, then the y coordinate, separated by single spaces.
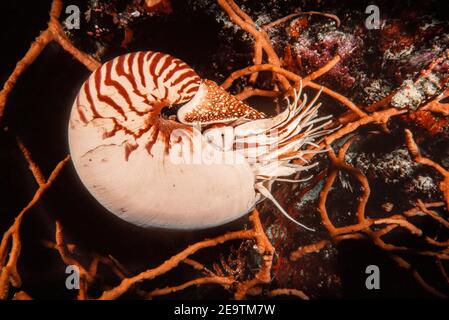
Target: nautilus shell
pixel 207 167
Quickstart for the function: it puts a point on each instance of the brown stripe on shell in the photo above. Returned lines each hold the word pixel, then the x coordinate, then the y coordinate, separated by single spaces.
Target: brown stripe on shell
pixel 140 62
pixel 186 75
pixel 118 86
pixel 168 61
pixel 104 98
pixel 136 72
pixel 178 65
pixel 81 114
pixel 90 100
pixel 155 58
pixel 188 83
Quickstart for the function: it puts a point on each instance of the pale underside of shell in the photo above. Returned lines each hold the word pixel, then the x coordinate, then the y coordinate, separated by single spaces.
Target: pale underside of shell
pixel 139 167
pixel 155 191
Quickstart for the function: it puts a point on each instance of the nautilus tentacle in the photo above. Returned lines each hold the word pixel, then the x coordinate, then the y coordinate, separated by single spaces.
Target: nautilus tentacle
pixel 210 166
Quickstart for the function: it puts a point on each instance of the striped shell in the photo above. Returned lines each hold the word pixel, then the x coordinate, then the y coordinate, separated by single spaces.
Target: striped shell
pixel 138 163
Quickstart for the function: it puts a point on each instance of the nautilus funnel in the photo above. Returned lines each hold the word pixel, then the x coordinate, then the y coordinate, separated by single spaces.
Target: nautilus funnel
pixel 206 168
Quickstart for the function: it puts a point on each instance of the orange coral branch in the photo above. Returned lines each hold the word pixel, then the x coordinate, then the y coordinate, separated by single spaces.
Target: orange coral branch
pixel 36 48
pixel 340 98
pixel 289 292
pixel 21 295
pixel 376 117
pixel 240 18
pixel 68 260
pixel 226 282
pixel 324 69
pixel 404 264
pixel 416 154
pixel 249 92
pixel 265 248
pixel 60 37
pixel 54 32
pixel 432 214
pixel 294 15
pixel 37 173
pixel 8 271
pixel 257 68
pixel 171 263
pixel 310 248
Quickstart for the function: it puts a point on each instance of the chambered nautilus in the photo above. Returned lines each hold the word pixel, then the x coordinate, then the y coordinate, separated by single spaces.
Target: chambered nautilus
pixel 207 167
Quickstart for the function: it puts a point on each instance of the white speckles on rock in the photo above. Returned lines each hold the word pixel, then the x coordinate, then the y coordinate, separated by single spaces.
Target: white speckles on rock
pixel 377 89
pixel 276 232
pixel 262 20
pixel 388 55
pixel 424 183
pixel 408 95
pixel 393 166
pixel 413 94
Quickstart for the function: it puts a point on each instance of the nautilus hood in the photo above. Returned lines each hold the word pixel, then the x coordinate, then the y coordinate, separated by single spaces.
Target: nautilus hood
pixel 158 172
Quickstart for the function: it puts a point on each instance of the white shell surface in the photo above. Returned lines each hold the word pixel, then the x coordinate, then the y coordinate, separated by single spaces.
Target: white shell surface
pixel 149 189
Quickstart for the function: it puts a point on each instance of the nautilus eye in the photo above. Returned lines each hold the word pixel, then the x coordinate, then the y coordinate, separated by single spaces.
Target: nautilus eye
pixel 206 168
